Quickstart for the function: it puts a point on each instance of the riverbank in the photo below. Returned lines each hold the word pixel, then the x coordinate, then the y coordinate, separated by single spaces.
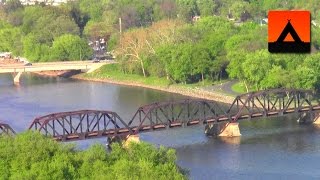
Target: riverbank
pixel 102 75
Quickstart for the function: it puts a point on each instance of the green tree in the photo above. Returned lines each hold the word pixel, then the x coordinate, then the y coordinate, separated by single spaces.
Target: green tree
pixel 96 30
pixel 201 60
pixel 238 9
pixel 180 67
pixel 34 50
pixel 10 40
pixel 12 5
pixel 306 78
pixel 30 17
pixel 79 17
pixel 30 155
pixel 312 66
pixel 187 9
pixel 94 8
pixel 276 77
pixel 235 68
pixel 70 47
pixel 206 7
pixel 256 67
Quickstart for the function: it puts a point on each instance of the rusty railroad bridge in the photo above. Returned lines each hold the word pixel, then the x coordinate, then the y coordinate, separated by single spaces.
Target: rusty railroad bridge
pixel 84 124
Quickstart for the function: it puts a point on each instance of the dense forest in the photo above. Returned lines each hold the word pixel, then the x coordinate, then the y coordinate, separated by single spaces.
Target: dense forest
pixel 185 41
pixel 30 155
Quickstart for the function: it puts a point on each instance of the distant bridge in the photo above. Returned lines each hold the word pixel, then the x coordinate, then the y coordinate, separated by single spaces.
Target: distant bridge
pixel 18 69
pixel 85 124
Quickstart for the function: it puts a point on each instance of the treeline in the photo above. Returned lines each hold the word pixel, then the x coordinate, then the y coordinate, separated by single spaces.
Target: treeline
pixel 32 156
pixel 227 42
pixel 214 48
pixel 43 33
pixel 161 38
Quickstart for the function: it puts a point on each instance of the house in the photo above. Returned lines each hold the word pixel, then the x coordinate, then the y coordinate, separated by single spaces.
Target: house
pixel 47 2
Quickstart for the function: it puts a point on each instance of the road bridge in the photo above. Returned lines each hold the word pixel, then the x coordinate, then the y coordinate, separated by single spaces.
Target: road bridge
pixel 85 124
pixel 17 69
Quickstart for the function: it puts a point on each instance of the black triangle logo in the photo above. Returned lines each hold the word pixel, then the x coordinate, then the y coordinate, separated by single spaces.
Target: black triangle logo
pixel 289 29
pixel 281 46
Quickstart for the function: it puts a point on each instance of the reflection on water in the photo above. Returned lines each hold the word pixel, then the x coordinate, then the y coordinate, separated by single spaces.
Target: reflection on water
pixel 273 148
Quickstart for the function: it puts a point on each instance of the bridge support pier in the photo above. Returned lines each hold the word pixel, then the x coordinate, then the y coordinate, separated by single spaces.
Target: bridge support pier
pixel 131 138
pixel 124 140
pixel 309 118
pixel 16 79
pixel 230 130
pixel 223 130
pixel 317 119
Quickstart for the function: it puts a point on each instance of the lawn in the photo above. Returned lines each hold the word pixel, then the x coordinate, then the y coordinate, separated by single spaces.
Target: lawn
pixel 239 87
pixel 112 72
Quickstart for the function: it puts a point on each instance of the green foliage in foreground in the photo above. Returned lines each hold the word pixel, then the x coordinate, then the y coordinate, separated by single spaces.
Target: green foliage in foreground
pixel 32 156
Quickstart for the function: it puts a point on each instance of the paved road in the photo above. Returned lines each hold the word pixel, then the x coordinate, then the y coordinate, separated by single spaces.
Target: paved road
pixel 52 66
pixel 223 88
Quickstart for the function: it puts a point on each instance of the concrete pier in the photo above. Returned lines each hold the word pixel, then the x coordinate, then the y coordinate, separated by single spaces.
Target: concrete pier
pixel 132 138
pixel 223 129
pixel 16 79
pixel 230 130
pixel 317 119
pixel 125 141
pixel 309 118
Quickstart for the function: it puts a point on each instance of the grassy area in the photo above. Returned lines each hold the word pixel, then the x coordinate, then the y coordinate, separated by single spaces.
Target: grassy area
pixel 239 87
pixel 112 72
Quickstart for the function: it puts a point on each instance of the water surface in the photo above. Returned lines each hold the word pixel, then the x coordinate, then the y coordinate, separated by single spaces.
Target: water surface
pixel 275 148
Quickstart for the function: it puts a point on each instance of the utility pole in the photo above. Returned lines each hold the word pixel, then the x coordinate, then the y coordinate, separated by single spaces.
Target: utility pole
pixel 80 54
pixel 120 29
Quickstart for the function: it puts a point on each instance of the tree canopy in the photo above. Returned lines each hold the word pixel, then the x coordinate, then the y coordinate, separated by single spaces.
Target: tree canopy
pixel 186 41
pixel 30 155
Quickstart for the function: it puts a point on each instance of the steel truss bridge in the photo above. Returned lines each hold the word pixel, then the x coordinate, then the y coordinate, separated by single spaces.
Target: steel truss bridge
pixel 83 124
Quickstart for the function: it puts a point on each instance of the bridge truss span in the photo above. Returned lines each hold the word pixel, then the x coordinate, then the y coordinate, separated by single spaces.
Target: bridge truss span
pixel 273 102
pixel 163 115
pixel 6 129
pixel 81 124
pixel 178 113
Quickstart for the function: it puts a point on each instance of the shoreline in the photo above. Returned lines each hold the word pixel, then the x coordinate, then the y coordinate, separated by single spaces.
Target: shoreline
pixel 195 93
pixel 65 73
pixel 49 73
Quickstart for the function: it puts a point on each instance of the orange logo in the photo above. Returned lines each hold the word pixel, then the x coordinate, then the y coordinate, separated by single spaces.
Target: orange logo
pixel 289 31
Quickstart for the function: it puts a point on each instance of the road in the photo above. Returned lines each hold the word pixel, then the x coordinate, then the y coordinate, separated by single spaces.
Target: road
pixel 223 88
pixel 88 66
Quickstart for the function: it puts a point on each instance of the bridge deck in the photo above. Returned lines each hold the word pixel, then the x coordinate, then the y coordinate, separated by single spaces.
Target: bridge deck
pixel 52 66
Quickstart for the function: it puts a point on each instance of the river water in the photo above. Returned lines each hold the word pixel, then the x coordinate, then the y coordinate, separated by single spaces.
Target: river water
pixel 277 148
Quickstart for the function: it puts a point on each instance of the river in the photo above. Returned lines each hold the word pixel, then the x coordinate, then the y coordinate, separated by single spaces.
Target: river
pixel 277 148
